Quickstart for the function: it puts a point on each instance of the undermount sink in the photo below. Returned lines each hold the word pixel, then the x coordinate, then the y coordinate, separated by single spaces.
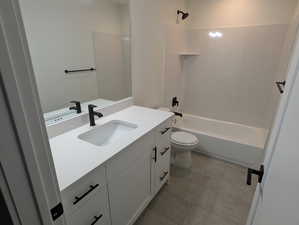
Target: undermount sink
pixel 107 133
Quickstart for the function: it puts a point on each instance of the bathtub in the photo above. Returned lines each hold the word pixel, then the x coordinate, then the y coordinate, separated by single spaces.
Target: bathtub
pixel 229 141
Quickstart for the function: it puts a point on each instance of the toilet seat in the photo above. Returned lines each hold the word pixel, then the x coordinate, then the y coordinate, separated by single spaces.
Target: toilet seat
pixel 183 139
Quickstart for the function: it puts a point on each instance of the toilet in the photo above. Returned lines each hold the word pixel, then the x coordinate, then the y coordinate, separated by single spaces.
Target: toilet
pixel 182 143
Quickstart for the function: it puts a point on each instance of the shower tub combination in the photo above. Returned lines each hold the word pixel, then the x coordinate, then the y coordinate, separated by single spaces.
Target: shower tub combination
pixel 229 141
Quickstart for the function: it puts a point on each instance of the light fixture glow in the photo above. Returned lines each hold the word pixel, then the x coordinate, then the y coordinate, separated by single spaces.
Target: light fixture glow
pixel 215 34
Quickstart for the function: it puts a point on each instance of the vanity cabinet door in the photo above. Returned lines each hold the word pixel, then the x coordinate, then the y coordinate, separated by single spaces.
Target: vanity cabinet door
pixel 129 181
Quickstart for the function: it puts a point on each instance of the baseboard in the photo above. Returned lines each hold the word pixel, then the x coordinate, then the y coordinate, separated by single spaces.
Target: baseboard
pixel 226 159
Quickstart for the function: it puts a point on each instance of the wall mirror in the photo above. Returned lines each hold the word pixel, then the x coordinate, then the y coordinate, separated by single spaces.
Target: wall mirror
pixel 80 51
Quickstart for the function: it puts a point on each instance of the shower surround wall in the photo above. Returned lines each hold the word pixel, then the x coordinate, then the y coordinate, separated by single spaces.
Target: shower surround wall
pixel 233 77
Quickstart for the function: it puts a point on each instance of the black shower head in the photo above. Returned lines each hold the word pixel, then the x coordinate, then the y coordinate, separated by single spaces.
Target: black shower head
pixel 184 15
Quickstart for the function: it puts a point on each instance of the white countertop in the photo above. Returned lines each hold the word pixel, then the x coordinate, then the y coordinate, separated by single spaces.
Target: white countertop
pixel 74 158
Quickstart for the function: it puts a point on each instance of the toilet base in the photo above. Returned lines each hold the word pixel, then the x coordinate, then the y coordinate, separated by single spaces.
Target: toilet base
pixel 181 159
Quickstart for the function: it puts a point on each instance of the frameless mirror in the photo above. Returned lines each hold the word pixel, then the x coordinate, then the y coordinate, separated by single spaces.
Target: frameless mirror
pixel 80 51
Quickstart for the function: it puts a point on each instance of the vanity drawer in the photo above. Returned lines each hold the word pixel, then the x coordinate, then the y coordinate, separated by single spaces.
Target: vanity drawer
pixel 93 212
pixel 164 130
pixel 83 190
pixel 163 133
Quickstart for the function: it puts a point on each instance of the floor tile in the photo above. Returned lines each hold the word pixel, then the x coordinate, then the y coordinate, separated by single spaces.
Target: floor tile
pixel 200 216
pixel 169 206
pixel 149 217
pixel 213 192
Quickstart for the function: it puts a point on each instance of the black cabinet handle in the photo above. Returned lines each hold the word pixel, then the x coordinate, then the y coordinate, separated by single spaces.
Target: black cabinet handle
pixel 259 173
pixel 91 188
pixel 155 154
pixel 96 219
pixel 165 150
pixel 163 176
pixel 165 130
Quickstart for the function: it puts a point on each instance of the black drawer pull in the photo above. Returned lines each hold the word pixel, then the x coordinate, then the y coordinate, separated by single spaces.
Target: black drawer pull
pixel 165 130
pixel 155 154
pixel 163 176
pixel 96 219
pixel 91 188
pixel 165 150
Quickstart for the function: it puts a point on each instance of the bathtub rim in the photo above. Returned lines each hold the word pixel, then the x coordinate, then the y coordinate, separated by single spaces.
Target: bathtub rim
pixel 256 145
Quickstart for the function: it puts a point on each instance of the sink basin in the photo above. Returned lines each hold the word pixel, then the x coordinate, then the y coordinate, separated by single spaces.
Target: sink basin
pixel 107 133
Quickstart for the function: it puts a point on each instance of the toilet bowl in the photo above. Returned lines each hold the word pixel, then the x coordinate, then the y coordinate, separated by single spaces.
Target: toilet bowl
pixel 182 143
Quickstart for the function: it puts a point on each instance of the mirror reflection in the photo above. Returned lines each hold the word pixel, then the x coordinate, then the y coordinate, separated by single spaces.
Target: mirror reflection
pixel 80 52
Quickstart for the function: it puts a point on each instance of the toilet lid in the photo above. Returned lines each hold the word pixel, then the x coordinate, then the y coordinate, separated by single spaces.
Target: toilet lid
pixel 183 138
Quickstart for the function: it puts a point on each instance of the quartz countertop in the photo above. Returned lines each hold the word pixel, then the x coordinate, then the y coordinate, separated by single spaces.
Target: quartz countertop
pixel 74 158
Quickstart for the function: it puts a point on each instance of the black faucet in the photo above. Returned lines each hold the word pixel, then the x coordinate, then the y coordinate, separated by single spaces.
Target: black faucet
pixel 92 114
pixel 77 106
pixel 175 102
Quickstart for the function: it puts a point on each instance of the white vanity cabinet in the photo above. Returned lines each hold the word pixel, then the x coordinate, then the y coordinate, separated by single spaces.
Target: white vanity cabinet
pixel 118 191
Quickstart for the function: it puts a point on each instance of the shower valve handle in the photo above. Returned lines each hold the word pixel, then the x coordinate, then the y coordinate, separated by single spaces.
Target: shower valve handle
pixel 259 173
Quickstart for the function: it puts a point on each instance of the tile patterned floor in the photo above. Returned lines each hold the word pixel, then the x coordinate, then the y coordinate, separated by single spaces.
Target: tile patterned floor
pixel 214 192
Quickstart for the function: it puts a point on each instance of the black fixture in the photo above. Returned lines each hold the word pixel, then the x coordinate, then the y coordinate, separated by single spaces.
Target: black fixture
pixel 79 198
pixel 184 14
pixel 165 130
pixel 77 106
pixel 175 102
pixel 164 175
pixel 280 85
pixel 155 153
pixel 82 70
pixel 96 218
pixel 56 211
pixel 165 150
pixel 92 113
pixel 178 114
pixel 259 173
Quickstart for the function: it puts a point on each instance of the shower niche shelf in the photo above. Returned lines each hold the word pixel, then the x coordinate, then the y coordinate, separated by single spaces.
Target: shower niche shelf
pixel 188 53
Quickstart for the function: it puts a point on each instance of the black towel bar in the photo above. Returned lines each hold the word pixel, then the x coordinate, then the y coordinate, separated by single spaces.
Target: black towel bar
pixel 82 70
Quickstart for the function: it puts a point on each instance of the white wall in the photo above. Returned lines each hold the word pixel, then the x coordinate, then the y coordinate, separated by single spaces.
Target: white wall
pixel 233 77
pixel 113 80
pixel 148 53
pixel 59 33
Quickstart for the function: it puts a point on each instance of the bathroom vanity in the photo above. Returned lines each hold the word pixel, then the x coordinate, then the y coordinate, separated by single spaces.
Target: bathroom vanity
pixel 109 173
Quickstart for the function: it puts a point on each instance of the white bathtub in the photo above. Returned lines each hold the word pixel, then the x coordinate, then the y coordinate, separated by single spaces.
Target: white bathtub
pixel 232 142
